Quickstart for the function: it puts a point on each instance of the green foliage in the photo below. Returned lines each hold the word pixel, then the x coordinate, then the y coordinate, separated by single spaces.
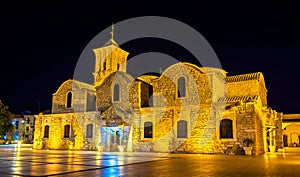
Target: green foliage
pixel 5 120
pixel 248 142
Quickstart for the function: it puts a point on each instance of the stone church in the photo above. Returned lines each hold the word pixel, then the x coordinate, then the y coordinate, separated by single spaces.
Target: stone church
pixel 184 109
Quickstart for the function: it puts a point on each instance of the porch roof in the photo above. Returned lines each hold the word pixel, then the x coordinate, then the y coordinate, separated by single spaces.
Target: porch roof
pixel 230 99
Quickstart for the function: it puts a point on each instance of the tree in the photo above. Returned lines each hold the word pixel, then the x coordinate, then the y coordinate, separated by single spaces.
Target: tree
pixel 5 120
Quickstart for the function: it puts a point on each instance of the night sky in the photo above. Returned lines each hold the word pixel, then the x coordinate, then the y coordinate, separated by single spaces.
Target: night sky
pixel 41 46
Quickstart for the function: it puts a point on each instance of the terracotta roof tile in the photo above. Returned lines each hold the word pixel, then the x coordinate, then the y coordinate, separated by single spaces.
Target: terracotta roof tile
pixel 244 77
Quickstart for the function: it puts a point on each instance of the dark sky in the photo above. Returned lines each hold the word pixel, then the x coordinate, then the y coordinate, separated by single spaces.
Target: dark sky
pixel 41 45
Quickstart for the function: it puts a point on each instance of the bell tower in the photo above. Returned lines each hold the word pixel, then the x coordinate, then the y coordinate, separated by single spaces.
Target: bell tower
pixel 109 59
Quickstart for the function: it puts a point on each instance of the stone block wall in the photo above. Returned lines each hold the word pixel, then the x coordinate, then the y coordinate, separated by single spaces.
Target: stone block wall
pixel 134 95
pixel 250 125
pixel 113 57
pixel 247 122
pixel 247 84
pixel 77 139
pixel 196 108
pixel 60 97
pixel 105 91
pixel 79 99
pixel 198 86
pixel 146 92
pixel 82 97
pixel 218 84
pixel 201 129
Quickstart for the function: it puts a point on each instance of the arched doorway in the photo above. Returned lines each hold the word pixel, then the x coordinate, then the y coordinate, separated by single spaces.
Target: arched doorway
pixel 291 137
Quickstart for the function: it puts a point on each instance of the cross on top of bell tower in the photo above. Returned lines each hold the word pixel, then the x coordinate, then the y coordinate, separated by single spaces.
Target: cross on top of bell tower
pixel 110 58
pixel 111 41
pixel 112 31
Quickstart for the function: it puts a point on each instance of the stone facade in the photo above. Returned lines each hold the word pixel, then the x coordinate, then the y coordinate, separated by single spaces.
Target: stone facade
pixel 56 137
pixel 185 109
pixel 74 96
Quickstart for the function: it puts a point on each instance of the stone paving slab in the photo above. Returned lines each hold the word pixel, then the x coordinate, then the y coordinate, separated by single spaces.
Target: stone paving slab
pixel 28 162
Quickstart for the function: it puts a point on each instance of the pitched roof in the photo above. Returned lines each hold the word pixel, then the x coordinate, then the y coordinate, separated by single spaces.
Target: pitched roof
pixel 83 85
pixel 291 117
pixel 111 42
pixel 238 98
pixel 244 77
pixel 147 78
pixel 116 111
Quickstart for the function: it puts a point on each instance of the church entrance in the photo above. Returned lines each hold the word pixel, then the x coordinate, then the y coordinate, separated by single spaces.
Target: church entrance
pixel 114 139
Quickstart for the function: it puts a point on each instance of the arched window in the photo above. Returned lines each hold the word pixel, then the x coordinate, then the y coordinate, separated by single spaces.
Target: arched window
pixel 46 131
pixel 89 131
pixel 69 100
pixel 182 129
pixel 181 84
pixel 148 129
pixel 116 92
pixel 146 95
pixel 285 141
pixel 104 65
pixel 118 66
pixel 90 101
pixel 226 128
pixel 67 131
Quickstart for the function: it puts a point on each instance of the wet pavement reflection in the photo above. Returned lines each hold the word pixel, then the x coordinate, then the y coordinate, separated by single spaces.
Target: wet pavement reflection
pixel 23 161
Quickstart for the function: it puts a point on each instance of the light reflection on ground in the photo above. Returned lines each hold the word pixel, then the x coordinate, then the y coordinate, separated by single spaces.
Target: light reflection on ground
pixel 27 162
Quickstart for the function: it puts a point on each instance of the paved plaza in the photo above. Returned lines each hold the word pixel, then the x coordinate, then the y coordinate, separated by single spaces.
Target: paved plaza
pixel 23 161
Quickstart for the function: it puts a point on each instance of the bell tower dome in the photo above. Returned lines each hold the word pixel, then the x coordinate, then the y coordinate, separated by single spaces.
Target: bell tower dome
pixel 109 59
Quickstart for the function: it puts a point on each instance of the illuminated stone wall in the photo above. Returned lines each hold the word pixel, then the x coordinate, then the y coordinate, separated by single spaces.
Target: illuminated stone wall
pixel 249 125
pixel 195 108
pixel 108 59
pixel 77 135
pixel 210 97
pixel 198 86
pixel 203 108
pixel 105 91
pixel 83 97
pixel 247 84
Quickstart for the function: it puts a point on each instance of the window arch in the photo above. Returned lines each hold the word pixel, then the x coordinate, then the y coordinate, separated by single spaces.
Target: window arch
pixel 104 65
pixel 67 131
pixel 181 84
pixel 226 129
pixel 182 129
pixel 148 129
pixel 89 131
pixel 116 92
pixel 46 131
pixel 69 99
